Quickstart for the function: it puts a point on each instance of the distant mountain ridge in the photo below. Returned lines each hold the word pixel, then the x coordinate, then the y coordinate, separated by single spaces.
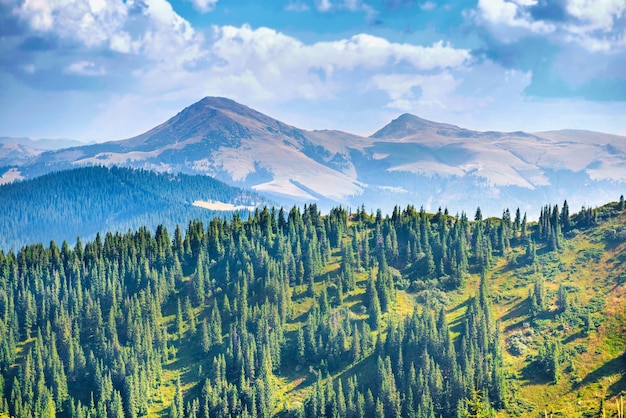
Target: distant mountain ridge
pixel 409 160
pixel 15 151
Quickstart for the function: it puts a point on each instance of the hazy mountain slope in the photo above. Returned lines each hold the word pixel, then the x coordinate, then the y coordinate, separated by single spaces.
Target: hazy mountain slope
pixel 80 202
pixel 43 143
pixel 409 160
pixel 505 159
pixel 13 153
pixel 451 164
pixel 18 151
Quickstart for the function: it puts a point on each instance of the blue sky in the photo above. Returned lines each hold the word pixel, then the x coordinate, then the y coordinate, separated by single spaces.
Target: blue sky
pixel 110 69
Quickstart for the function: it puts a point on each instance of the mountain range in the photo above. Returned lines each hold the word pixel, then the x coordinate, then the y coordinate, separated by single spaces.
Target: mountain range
pixel 408 161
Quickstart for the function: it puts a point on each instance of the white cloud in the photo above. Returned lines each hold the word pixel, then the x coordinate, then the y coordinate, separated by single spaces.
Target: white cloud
pixel 122 42
pixel 88 21
pixel 598 44
pixel 597 14
pixel 323 5
pixel 39 13
pixel 263 64
pixel 263 67
pixel 30 69
pixel 480 97
pixel 412 91
pixel 595 28
pixel 246 48
pixel 296 6
pixel 157 31
pixel 592 23
pixel 204 6
pixel 428 6
pixel 511 14
pixel 84 68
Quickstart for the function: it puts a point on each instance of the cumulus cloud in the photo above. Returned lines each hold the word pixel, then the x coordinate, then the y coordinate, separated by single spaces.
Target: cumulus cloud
pixel 263 67
pixel 266 64
pixel 85 68
pixel 511 14
pixel 243 47
pixel 148 27
pixel 89 22
pixel 594 26
pixel 204 6
pixel 589 23
pixel 597 14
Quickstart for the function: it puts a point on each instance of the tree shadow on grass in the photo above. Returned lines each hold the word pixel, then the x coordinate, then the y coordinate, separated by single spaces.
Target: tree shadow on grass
pixel 574 337
pixel 520 310
pixel 615 366
pixel 534 374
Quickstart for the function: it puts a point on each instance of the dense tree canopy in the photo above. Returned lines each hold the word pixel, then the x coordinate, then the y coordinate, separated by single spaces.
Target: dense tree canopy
pixel 98 328
pixel 85 201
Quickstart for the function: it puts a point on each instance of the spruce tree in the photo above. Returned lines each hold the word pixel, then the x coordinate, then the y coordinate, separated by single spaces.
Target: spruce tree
pixel 373 304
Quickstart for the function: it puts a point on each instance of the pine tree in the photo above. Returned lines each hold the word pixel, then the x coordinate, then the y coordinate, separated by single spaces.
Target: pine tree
pixel 373 304
pixel 477 406
pixel 300 347
pixel 205 338
pixel 177 408
pixel 190 317
pixel 179 321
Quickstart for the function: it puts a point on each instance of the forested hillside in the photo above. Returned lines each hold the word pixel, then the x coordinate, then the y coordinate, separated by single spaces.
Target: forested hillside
pixel 81 202
pixel 297 314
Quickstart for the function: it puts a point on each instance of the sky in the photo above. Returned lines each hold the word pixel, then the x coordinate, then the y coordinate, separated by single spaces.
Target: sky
pixel 97 70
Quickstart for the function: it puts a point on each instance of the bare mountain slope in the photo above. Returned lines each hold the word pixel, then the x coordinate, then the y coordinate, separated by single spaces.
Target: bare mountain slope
pixel 409 160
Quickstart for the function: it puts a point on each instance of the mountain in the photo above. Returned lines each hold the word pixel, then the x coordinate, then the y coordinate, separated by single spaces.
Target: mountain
pixel 17 151
pixel 42 143
pixel 81 202
pixel 13 153
pixel 409 160
pixel 407 125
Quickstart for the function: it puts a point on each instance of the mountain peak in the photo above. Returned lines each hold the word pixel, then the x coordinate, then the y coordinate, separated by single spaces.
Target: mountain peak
pixel 218 120
pixel 403 126
pixel 212 107
pixel 217 103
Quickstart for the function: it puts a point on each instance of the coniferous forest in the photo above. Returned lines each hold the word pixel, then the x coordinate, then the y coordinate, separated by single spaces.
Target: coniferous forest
pixel 295 313
pixel 84 201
